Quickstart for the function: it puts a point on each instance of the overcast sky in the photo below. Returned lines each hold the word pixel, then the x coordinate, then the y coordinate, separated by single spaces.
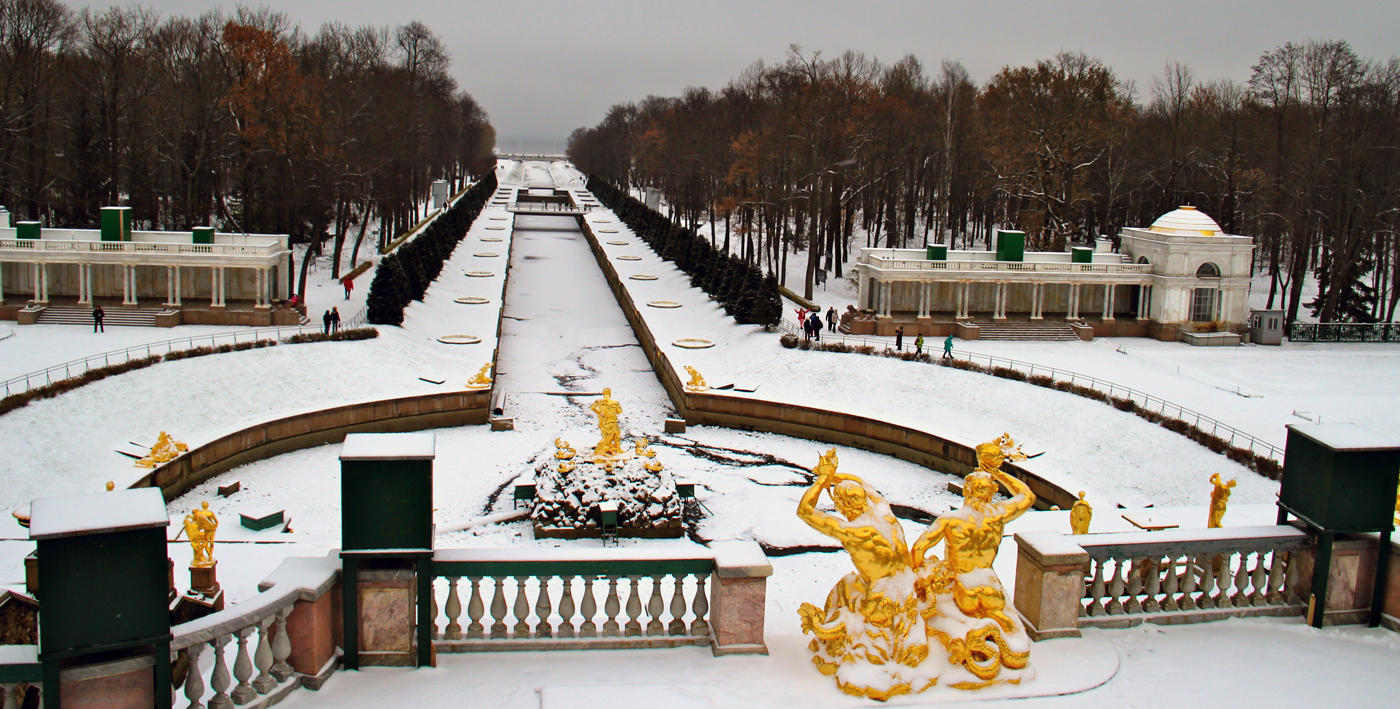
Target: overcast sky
pixel 542 68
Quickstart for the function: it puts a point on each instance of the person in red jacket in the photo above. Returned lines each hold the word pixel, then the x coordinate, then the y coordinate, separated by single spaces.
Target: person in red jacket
pixel 349 284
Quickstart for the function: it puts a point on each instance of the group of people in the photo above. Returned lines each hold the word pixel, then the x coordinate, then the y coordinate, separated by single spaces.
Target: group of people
pixel 919 343
pixel 811 322
pixel 331 320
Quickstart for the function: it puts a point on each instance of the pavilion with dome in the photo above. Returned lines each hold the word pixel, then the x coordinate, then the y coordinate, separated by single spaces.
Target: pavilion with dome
pixel 1177 279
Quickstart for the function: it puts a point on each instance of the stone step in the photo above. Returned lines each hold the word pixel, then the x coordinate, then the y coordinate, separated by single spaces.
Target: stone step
pixel 128 317
pixel 1043 332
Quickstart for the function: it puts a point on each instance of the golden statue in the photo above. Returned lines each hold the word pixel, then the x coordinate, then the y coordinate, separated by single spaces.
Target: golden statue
pixel 111 486
pixel 607 410
pixel 1219 496
pixel 697 382
pixel 164 451
pixel 643 448
pixel 653 465
pixel 1079 515
pixel 563 451
pixel 200 526
pixel 482 379
pixel 878 624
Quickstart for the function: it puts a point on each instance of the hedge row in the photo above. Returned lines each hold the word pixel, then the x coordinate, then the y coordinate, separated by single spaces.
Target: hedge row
pixel 404 275
pixel 745 292
pixel 1262 464
pixel 48 391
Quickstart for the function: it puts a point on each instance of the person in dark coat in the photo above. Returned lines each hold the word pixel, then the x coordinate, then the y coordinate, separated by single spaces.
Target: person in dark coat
pixel 335 319
pixel 899 338
pixel 815 322
pixel 97 316
pixel 326 322
pixel 831 318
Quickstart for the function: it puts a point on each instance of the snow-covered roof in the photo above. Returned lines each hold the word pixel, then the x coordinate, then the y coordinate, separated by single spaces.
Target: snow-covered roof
pixel 96 512
pixel 1345 436
pixel 389 446
pixel 1186 221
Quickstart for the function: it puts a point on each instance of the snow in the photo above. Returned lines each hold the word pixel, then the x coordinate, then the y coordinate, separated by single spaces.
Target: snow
pixel 388 446
pixel 94 512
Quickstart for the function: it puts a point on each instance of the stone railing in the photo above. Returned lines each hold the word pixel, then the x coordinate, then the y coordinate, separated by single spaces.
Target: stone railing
pixel 31 246
pixel 295 642
pixel 19 671
pixel 891 264
pixel 1064 583
pixel 601 599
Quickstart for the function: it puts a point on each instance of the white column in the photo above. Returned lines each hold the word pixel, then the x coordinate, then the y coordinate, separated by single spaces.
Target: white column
pixel 129 275
pixel 2 283
pixel 84 298
pixel 1037 300
pixel 923 298
pixel 87 280
pixel 178 284
pixel 1108 301
pixel 213 287
pixel 36 282
pixel 886 295
pixel 1143 300
pixel 1072 312
pixel 44 283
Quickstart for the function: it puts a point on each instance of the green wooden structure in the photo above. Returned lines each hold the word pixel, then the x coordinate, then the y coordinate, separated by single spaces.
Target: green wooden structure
pixel 1340 478
pixel 937 252
pixel 1081 254
pixel 116 223
pixel 203 234
pixel 104 574
pixel 386 513
pixel 28 230
pixel 1011 245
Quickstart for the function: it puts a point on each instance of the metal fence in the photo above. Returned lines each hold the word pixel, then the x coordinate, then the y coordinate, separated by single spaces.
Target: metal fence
pixel 77 367
pixel 1344 332
pixel 1234 436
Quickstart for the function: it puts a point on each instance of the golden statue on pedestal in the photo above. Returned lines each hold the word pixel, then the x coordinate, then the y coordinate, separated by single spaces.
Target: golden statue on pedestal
pixel 1219 496
pixel 165 450
pixel 607 410
pixel 200 526
pixel 697 382
pixel 482 379
pixel 1079 515
pixel 878 625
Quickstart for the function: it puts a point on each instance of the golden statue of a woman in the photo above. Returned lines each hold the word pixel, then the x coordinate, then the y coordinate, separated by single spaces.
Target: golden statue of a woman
pixel 200 527
pixel 1219 496
pixel 607 411
pixel 1079 515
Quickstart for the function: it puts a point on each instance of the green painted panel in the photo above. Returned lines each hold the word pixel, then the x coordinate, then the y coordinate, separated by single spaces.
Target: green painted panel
pixel 1339 490
pixel 1081 254
pixel 1011 245
pixel 386 504
pixel 937 252
pixel 28 230
pixel 203 235
pixel 116 223
pixel 103 590
pixel 621 567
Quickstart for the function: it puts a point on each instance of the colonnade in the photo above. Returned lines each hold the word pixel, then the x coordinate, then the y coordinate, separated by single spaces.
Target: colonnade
pixel 217 280
pixel 962 298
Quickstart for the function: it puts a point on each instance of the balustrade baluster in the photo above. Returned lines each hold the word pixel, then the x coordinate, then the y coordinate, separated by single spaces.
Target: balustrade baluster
pixel 610 608
pixel 1224 579
pixel 521 609
pixel 1115 589
pixel 498 609
pixel 1205 600
pixel 634 607
pixel 566 608
pixel 1242 577
pixel 475 610
pixel 453 610
pixel 1096 593
pixel 243 669
pixel 543 609
pixel 194 680
pixel 1276 579
pixel 677 625
pixel 1135 586
pixel 282 647
pixel 700 627
pixel 1153 568
pixel 1260 593
pixel 1188 584
pixel 655 606
pixel 1170 595
pixel 262 658
pixel 219 678
pixel 588 609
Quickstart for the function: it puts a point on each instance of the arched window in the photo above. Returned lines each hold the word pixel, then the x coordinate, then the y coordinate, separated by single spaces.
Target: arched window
pixel 1208 270
pixel 1143 259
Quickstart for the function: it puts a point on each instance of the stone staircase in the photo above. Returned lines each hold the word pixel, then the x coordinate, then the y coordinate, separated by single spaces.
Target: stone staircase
pixel 1024 331
pixel 113 317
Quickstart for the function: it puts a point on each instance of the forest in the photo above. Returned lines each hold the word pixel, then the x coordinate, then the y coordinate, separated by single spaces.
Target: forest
pixel 816 157
pixel 239 121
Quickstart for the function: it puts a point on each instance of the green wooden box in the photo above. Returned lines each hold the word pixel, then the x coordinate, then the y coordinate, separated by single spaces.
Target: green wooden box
pixel 1081 254
pixel 386 492
pixel 116 223
pixel 103 570
pixel 1340 477
pixel 260 519
pixel 937 252
pixel 29 230
pixel 1011 245
pixel 203 234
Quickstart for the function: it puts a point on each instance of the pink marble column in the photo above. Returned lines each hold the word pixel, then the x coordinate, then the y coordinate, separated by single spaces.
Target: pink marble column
pixel 739 598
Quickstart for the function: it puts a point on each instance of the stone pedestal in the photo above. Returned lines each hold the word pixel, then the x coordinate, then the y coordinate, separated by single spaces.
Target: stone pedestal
pixel 739 598
pixel 386 618
pixel 204 579
pixel 1049 583
pixel 925 327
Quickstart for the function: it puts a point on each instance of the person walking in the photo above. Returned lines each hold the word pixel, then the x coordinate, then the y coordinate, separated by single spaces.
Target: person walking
pixel 815 321
pixel 335 320
pixel 899 338
pixel 919 344
pixel 349 284
pixel 948 348
pixel 831 318
pixel 97 317
pixel 326 322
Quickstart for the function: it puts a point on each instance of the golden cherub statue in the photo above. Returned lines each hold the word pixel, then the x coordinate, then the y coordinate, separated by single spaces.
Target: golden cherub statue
pixel 482 379
pixel 562 449
pixel 653 465
pixel 697 382
pixel 607 410
pixel 1079 515
pixel 643 448
pixel 1219 496
pixel 200 526
pixel 164 451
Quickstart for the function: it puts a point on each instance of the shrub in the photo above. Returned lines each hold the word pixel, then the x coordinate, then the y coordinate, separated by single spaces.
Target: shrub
pixel 789 340
pixel 15 401
pixel 1042 380
pixel 1008 373
pixel 1123 403
pixel 1269 467
pixel 359 333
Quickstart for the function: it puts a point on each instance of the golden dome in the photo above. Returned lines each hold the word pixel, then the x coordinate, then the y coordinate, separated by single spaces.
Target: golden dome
pixel 1185 221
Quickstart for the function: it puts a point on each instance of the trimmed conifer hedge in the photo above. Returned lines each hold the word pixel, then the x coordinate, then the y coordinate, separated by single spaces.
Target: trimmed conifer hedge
pixel 404 275
pixel 745 292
